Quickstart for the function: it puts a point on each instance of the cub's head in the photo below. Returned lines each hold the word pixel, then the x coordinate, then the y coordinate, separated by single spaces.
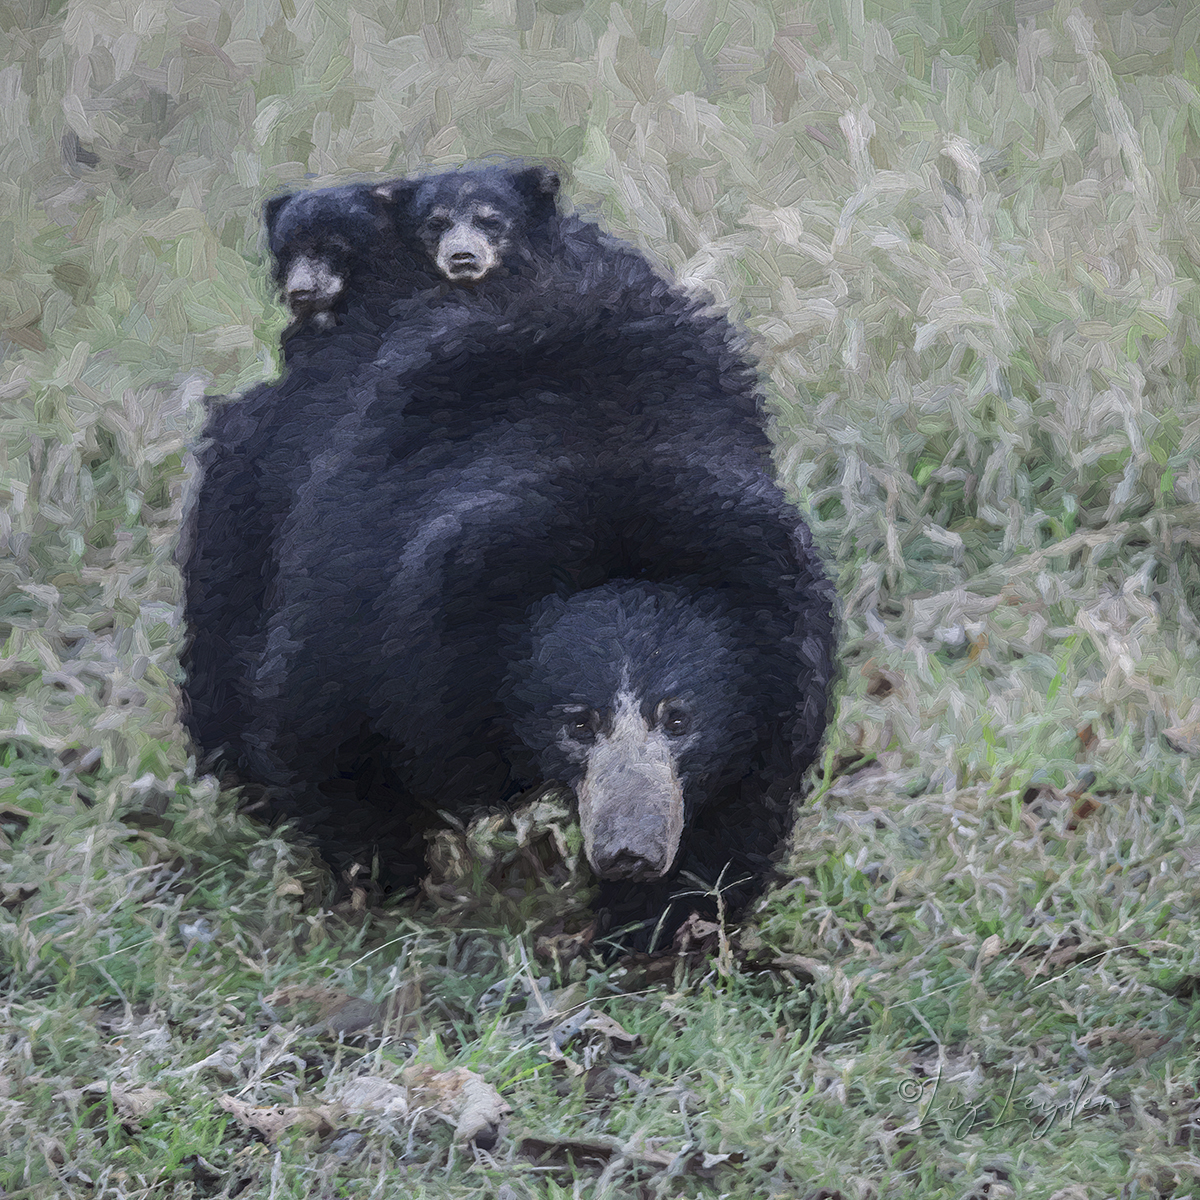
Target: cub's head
pixel 475 223
pixel 327 244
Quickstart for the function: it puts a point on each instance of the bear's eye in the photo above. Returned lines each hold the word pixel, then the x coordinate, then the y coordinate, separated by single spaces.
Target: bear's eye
pixel 582 726
pixel 673 719
pixel 438 225
pixel 488 224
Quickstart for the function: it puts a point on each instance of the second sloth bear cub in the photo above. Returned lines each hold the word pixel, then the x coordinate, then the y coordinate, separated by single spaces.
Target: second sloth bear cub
pixel 537 538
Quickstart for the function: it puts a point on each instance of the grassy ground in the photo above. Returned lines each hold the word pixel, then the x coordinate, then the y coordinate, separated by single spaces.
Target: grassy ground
pixel 964 238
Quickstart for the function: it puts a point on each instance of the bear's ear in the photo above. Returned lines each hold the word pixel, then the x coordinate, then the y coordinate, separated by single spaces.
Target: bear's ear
pixel 396 194
pixel 271 211
pixel 538 187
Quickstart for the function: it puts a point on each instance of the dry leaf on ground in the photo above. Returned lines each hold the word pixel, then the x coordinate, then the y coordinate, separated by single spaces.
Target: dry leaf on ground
pixel 274 1119
pixel 462 1095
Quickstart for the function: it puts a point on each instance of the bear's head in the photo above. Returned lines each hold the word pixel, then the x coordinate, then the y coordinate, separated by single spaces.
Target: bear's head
pixel 327 243
pixel 638 698
pixel 473 223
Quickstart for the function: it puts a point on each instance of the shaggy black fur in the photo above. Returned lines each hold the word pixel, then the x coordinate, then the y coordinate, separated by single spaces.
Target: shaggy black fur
pixel 451 517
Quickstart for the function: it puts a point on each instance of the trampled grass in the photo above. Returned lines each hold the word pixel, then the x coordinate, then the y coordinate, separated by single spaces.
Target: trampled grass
pixel 963 240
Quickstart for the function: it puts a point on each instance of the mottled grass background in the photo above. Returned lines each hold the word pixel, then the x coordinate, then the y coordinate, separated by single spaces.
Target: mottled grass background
pixel 965 239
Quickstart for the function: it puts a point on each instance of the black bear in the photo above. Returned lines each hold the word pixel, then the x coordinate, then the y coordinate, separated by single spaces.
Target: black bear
pixel 565 448
pixel 339 259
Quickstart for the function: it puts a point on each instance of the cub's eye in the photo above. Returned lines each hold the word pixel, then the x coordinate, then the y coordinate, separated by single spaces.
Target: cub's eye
pixel 582 726
pixel 438 225
pixel 489 224
pixel 672 718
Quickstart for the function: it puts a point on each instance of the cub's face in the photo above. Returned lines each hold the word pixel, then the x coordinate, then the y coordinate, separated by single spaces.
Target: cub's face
pixel 473 224
pixel 321 241
pixel 469 241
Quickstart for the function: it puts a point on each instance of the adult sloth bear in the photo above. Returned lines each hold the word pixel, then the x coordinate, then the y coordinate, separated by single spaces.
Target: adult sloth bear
pixel 541 541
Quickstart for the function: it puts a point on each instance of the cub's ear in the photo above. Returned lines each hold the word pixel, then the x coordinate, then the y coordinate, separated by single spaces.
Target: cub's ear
pixel 272 209
pixel 396 194
pixel 538 187
pixel 538 181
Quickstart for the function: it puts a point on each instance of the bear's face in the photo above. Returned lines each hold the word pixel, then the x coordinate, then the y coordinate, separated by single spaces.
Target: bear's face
pixel 473 223
pixel 322 240
pixel 635 697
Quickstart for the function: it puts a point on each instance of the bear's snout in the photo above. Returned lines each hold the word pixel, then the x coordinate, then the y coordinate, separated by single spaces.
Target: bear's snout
pixel 631 800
